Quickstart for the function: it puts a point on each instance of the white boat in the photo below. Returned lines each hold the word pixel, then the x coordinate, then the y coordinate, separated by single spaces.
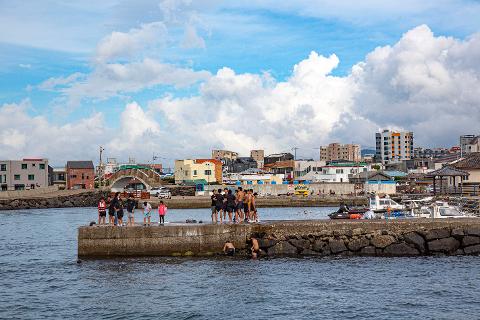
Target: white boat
pixel 438 210
pixel 377 204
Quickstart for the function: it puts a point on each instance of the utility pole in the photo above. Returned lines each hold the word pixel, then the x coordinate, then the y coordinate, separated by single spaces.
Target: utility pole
pixel 101 167
pixel 295 152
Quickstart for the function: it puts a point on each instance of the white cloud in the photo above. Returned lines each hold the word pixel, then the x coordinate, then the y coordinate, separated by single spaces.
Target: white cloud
pixel 135 126
pixel 423 83
pixel 112 79
pixel 118 45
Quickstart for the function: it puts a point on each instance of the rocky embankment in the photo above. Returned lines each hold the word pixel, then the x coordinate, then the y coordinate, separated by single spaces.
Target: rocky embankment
pixel 409 238
pixel 59 200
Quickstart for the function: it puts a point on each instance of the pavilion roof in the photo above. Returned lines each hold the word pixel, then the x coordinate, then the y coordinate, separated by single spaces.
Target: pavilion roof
pixel 447 171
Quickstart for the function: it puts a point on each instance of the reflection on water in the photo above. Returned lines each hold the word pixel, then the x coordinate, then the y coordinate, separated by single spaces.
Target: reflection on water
pixel 40 279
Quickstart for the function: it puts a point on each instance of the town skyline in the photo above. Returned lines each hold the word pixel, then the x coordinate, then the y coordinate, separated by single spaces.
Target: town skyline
pixel 177 79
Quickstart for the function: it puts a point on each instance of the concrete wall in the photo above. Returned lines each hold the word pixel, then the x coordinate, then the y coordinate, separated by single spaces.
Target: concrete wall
pixel 322 238
pixel 28 193
pixel 316 188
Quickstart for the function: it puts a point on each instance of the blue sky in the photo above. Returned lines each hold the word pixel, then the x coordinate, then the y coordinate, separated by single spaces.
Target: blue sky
pixel 56 39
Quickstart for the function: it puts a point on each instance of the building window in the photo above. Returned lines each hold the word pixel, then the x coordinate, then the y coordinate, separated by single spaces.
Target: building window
pixel 16 177
pixel 73 176
pixel 42 166
pixel 24 166
pixel 3 167
pixel 208 172
pixel 33 165
pixel 194 172
pixel 31 177
pixel 83 176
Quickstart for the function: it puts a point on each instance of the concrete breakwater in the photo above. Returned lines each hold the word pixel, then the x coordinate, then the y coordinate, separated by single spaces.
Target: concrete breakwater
pixel 56 200
pixel 288 238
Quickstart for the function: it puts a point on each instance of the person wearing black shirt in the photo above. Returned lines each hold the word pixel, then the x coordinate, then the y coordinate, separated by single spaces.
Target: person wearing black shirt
pixel 219 203
pixel 131 204
pixel 214 206
pixel 230 204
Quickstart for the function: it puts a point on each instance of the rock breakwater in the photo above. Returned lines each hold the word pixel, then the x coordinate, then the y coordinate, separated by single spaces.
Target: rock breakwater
pixel 398 238
pixel 59 200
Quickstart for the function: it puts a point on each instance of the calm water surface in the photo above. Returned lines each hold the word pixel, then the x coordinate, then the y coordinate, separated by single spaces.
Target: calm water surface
pixel 40 279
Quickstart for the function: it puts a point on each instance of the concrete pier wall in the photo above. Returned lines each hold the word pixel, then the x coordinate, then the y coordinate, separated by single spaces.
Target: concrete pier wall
pixel 288 238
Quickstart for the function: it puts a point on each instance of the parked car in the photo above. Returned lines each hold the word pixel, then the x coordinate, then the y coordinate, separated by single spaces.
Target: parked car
pixel 160 192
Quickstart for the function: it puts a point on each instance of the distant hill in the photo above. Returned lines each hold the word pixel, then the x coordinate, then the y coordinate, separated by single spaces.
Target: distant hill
pixel 367 151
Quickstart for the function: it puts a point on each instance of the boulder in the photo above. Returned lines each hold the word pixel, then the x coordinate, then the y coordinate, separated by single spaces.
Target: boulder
pixel 368 251
pixel 308 252
pixel 415 239
pixel 437 234
pixel 472 249
pixel 473 231
pixel 470 240
pixel 337 246
pixel 445 245
pixel 357 244
pixel 266 243
pixel 282 248
pixel 400 249
pixel 303 244
pixel 357 231
pixel 321 247
pixel 382 241
pixel 458 233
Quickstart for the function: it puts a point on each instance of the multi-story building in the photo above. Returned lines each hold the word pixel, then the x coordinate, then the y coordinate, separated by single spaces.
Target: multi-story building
pixel 272 158
pixel 23 174
pixel 258 156
pixel 337 151
pixel 254 176
pixel 307 169
pixel 340 172
pixel 393 146
pixel 198 171
pixel 224 154
pixel 58 177
pixel 469 143
pixel 80 175
pixel 433 153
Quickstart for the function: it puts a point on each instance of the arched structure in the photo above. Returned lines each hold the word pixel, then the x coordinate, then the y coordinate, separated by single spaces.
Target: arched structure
pixel 120 179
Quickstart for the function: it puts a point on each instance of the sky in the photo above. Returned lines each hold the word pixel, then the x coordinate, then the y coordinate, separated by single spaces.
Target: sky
pixel 176 78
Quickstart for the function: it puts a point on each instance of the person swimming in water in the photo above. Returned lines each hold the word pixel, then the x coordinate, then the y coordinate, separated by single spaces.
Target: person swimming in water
pixel 229 248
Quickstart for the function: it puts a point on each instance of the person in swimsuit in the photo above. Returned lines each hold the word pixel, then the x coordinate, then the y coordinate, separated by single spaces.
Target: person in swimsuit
pixel 254 207
pixel 248 214
pixel 229 248
pixel 255 249
pixel 240 199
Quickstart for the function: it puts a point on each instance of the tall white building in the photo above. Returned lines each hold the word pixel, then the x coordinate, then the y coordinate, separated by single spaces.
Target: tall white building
pixel 393 146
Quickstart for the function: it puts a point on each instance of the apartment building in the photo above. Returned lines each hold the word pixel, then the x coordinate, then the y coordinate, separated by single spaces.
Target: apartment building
pixel 258 156
pixel 23 174
pixel 469 143
pixel 392 146
pixel 196 171
pixel 337 151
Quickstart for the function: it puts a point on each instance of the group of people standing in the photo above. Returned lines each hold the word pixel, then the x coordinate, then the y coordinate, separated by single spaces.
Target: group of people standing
pixel 116 207
pixel 240 206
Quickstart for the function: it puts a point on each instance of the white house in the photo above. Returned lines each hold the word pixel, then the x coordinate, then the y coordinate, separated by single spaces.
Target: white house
pixel 339 172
